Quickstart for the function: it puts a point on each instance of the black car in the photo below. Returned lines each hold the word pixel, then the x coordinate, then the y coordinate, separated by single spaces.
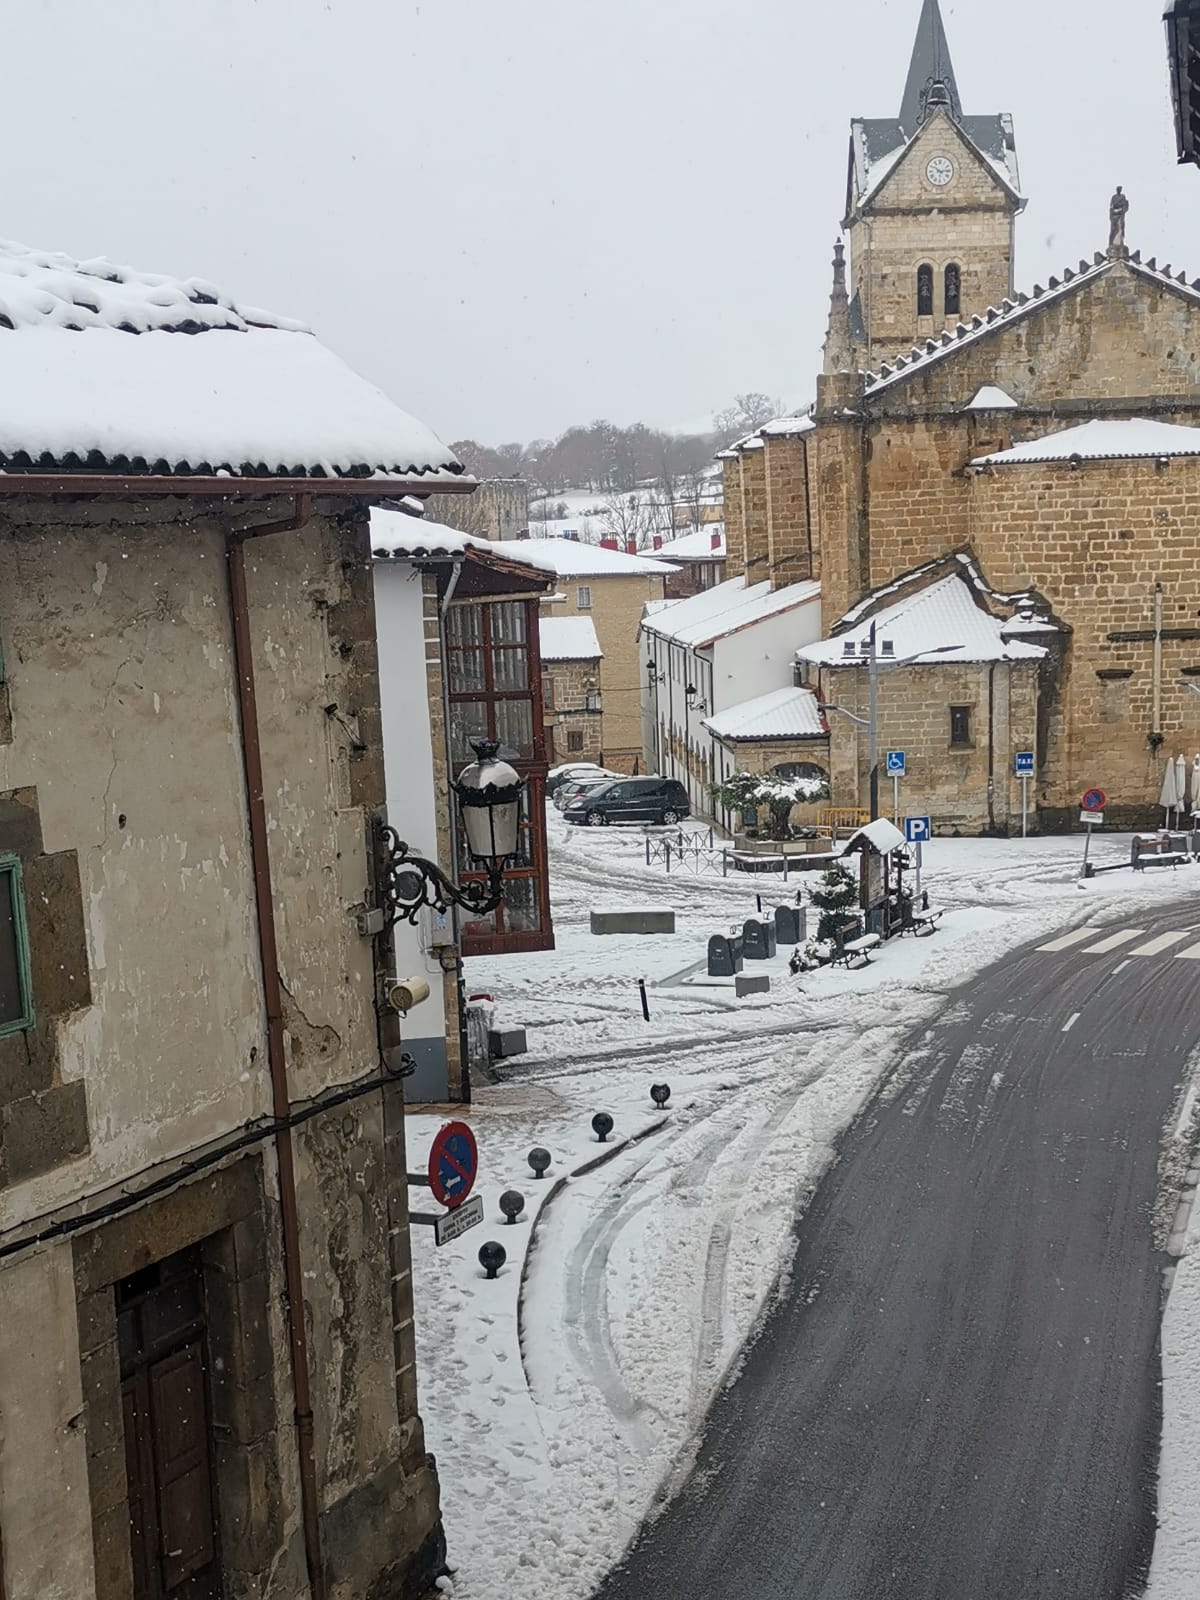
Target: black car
pixel 662 800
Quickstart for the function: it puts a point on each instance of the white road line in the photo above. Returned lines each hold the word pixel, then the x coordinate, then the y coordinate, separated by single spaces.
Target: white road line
pixel 1120 968
pixel 1113 941
pixel 1154 947
pixel 1192 953
pixel 1068 939
pixel 1070 1022
pixel 1185 1114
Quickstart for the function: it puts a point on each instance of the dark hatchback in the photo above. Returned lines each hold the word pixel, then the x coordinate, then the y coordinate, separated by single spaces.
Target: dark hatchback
pixel 661 800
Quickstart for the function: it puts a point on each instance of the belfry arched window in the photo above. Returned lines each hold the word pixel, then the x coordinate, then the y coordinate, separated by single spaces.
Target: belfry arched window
pixel 953 290
pixel 925 291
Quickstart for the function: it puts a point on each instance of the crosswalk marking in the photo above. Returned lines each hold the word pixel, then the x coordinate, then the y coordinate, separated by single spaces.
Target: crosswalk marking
pixel 1192 953
pixel 1067 939
pixel 1153 947
pixel 1113 942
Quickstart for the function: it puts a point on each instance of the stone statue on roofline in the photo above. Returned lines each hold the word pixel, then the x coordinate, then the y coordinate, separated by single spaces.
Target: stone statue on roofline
pixel 1118 207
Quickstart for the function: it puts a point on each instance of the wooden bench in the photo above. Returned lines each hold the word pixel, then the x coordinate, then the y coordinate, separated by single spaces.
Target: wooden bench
pixel 921 923
pixel 1164 858
pixel 852 952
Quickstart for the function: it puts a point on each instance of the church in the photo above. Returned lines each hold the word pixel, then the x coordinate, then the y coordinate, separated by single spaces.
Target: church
pixel 995 488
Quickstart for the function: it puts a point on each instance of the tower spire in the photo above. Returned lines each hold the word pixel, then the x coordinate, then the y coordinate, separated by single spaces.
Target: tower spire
pixel 839 341
pixel 930 64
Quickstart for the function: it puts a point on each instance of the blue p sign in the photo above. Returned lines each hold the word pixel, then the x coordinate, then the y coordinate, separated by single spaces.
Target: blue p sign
pixel 916 830
pixel 895 763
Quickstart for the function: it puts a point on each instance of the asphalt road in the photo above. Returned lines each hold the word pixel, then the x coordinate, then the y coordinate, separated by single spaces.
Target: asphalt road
pixel 957 1398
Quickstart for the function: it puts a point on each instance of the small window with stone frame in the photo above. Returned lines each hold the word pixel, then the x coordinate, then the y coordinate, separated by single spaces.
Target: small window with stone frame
pixel 583 597
pixel 16 992
pixel 925 290
pixel 960 728
pixel 953 290
pixel 574 738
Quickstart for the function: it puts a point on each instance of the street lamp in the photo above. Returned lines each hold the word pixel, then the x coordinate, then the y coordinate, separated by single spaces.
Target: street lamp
pixel 489 797
pixel 876 665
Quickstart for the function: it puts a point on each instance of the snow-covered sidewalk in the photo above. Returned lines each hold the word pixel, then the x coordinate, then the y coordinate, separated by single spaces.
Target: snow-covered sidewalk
pixel 556 1434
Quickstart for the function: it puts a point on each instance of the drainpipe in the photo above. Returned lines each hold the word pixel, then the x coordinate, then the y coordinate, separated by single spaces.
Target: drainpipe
pixel 991 784
pixel 239 614
pixel 1156 733
pixel 443 613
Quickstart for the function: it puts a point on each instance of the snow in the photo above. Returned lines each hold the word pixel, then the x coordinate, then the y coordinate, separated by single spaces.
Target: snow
pixel 726 608
pixel 1175 1571
pixel 782 714
pixel 399 537
pixel 563 1413
pixel 571 558
pixel 991 398
pixel 943 615
pixel 569 639
pixel 788 427
pixel 1102 440
pixel 94 376
pixel 696 545
pixel 881 835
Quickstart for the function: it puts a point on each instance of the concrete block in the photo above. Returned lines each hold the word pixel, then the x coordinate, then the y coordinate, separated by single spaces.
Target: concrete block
pixel 751 983
pixel 633 922
pixel 506 1042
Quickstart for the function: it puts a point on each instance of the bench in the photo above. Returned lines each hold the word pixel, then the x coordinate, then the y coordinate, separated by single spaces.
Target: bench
pixel 921 923
pixel 855 951
pixel 1164 858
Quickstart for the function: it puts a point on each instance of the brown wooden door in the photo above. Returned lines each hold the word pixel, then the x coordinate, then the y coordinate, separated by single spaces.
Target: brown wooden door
pixel 168 1435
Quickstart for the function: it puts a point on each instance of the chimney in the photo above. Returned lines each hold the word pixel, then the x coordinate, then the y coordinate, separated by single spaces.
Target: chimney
pixel 716 541
pixel 609 544
pixel 658 541
pixel 631 547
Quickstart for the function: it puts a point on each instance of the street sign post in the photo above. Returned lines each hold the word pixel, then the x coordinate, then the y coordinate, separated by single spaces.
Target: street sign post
pixel 1023 771
pixel 455 1223
pixel 896 770
pixel 1092 816
pixel 917 832
pixel 453 1163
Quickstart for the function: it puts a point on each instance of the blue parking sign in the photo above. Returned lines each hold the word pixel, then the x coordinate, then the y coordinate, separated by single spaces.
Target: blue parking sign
pixel 895 763
pixel 1023 763
pixel 916 830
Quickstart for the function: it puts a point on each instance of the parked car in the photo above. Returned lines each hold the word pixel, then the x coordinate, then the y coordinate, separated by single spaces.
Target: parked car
pixel 574 787
pixel 661 800
pixel 557 776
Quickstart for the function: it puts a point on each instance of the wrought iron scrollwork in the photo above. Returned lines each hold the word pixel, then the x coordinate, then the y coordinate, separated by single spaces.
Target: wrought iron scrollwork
pixel 408 883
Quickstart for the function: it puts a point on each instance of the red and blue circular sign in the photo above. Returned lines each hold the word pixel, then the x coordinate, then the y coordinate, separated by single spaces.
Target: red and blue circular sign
pixel 1093 800
pixel 453 1163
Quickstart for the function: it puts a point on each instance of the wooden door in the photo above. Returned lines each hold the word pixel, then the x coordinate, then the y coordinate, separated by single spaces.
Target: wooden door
pixel 168 1435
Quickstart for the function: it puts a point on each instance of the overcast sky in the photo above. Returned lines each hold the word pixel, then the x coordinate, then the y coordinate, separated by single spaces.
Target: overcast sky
pixel 514 215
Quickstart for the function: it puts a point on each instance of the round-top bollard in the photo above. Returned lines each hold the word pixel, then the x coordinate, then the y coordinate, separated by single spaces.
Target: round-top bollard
pixel 512 1203
pixel 660 1093
pixel 603 1125
pixel 539 1160
pixel 492 1257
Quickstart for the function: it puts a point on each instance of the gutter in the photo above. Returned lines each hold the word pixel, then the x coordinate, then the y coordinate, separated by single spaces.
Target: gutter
pixel 239 615
pixel 227 487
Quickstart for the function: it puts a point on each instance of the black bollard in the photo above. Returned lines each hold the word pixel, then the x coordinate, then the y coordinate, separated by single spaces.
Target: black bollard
pixel 492 1257
pixel 603 1125
pixel 539 1160
pixel 645 1002
pixel 512 1203
pixel 660 1093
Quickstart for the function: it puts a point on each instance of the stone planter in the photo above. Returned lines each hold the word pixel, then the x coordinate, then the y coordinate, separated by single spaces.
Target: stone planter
pixel 780 847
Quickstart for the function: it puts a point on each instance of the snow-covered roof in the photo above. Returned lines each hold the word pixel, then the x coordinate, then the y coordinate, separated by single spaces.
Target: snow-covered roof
pixel 878 144
pixel 395 536
pixel 1014 310
pixel 696 545
pixel 571 558
pixel 105 369
pixel 788 427
pixel 1102 440
pixel 992 398
pixel 919 630
pixel 726 608
pixel 568 639
pixel 782 714
pixel 881 835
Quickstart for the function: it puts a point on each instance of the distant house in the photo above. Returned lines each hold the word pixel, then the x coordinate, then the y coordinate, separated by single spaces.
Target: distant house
pixel 612 587
pixel 207 1366
pixel 700 557
pixel 571 693
pixel 458 660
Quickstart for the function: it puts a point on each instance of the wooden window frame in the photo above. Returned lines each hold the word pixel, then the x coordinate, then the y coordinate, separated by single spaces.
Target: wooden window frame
pixel 965 712
pixel 581 590
pixel 574 741
pixel 530 764
pixel 10 867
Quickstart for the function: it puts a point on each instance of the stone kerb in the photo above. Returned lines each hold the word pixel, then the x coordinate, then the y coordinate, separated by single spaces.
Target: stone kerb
pixel 646 921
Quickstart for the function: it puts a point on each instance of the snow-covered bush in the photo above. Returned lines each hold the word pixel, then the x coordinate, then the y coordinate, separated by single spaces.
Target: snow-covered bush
pixel 754 791
pixel 835 897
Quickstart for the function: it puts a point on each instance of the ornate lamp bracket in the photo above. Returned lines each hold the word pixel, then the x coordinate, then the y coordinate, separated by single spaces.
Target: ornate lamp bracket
pixel 408 883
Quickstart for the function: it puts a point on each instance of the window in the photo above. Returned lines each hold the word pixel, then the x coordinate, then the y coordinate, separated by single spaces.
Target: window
pixel 925 291
pixel 583 597
pixel 591 700
pixel 960 726
pixel 953 290
pixel 574 738
pixel 548 693
pixel 16 999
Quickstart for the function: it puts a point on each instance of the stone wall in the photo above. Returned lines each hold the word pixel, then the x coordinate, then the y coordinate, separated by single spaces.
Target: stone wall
pixel 791 547
pixel 616 610
pixel 567 710
pixel 735 522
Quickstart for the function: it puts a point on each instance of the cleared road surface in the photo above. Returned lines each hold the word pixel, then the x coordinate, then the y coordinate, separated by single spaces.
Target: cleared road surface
pixel 958 1397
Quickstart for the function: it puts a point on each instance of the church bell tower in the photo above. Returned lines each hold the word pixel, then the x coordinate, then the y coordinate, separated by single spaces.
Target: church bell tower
pixel 931 206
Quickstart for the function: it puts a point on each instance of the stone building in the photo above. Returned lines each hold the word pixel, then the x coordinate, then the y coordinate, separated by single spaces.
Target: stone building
pixel 458 659
pixel 498 510
pixel 956 421
pixel 207 1365
pixel 700 557
pixel 612 587
pixel 571 695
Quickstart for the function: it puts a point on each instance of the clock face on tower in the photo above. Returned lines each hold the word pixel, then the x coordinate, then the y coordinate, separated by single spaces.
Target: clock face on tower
pixel 940 171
